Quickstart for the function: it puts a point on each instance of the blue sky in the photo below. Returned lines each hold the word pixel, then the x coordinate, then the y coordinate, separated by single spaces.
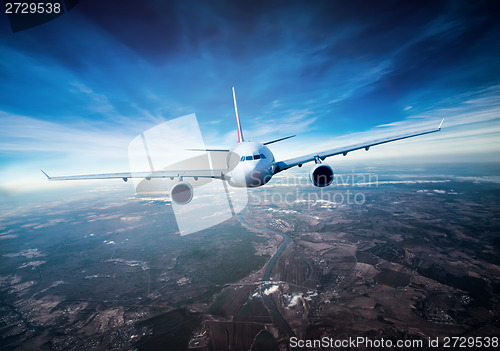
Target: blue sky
pixel 76 90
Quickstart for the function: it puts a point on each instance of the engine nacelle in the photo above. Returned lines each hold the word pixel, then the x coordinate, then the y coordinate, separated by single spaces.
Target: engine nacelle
pixel 181 193
pixel 321 175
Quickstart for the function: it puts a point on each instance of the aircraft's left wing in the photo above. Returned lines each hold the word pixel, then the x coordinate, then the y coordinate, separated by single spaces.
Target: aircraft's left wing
pixel 298 161
pixel 216 174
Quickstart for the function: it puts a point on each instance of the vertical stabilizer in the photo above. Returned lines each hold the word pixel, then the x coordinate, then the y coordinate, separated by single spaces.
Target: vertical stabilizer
pixel 238 124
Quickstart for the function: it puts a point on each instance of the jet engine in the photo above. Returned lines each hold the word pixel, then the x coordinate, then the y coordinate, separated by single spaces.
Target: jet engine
pixel 181 193
pixel 321 175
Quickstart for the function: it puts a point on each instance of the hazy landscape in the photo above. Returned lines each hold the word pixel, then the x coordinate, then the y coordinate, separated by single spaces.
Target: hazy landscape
pixel 102 269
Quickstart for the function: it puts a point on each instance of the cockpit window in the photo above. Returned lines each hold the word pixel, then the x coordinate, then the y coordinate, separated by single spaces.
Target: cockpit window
pixel 254 157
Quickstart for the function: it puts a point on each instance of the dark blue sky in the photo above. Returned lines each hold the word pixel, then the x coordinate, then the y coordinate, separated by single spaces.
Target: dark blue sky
pixel 81 86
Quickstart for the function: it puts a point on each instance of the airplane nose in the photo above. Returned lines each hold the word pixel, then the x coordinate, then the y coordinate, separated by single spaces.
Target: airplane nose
pixel 256 177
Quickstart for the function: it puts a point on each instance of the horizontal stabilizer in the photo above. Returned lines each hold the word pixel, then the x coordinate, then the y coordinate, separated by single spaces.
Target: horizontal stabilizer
pixel 275 141
pixel 217 150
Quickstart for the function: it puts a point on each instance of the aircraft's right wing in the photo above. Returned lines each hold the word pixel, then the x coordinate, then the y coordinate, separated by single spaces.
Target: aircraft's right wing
pixel 298 161
pixel 216 174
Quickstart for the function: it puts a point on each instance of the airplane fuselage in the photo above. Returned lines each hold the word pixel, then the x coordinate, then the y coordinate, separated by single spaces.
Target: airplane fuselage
pixel 251 164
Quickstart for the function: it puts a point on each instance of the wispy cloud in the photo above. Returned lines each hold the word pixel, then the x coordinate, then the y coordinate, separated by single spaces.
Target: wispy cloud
pixel 471 127
pixel 26 134
pixel 329 73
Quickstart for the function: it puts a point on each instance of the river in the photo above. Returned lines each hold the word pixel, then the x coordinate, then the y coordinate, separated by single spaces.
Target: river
pixel 276 315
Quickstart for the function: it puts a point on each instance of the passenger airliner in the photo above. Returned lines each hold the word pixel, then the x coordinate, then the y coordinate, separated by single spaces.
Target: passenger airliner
pixel 249 164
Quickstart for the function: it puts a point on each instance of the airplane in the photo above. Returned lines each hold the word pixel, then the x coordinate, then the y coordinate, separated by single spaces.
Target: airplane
pixel 249 164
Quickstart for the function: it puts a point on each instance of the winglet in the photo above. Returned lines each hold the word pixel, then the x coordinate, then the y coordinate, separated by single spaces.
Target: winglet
pixel 238 125
pixel 440 124
pixel 46 174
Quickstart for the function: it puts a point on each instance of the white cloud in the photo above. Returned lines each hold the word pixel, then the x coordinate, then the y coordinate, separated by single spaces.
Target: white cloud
pixel 26 134
pixel 470 128
pixel 99 103
pixel 59 149
pixel 293 122
pixel 471 131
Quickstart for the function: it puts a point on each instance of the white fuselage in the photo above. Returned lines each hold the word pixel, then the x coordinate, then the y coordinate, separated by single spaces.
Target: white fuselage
pixel 255 165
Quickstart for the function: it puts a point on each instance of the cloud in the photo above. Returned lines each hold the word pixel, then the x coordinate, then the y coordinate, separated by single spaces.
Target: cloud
pixel 30 144
pixel 470 127
pixel 99 103
pixel 26 134
pixel 290 122
pixel 79 88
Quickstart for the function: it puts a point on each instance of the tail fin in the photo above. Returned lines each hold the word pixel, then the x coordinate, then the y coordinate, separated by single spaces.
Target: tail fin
pixel 238 124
